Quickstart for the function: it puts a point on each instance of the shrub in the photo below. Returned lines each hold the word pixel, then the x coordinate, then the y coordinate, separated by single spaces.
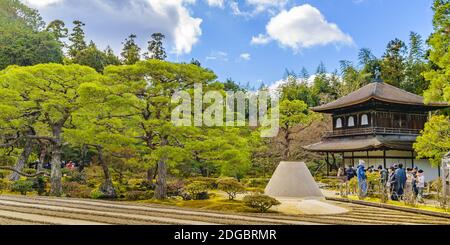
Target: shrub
pixel 4 173
pixel 75 176
pixel 138 195
pixel 198 190
pixel 210 182
pixel 96 194
pixel 256 190
pixel 231 186
pixel 76 190
pixel 39 185
pixel 22 186
pixel 262 203
pixel 257 182
pixel 3 185
pixel 29 171
pixel 175 188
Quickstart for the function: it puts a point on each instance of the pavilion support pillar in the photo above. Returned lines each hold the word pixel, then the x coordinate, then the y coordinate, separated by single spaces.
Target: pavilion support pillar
pixel 328 164
pixel 368 159
pixel 412 159
pixel 353 158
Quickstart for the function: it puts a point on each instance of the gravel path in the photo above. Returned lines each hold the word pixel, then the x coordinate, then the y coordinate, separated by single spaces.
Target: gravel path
pixel 124 213
pixel 49 210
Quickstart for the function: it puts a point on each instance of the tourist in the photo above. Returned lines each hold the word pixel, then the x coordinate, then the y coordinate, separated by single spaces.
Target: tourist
pixel 415 189
pixel 400 174
pixel 393 183
pixel 384 175
pixel 409 192
pixel 362 179
pixel 420 185
pixel 350 172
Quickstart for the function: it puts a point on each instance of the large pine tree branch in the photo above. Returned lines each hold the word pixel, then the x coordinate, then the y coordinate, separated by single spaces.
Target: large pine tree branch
pixel 24 174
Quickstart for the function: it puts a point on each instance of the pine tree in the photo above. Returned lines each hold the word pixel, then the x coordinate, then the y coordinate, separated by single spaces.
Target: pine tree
pixel 393 63
pixel 131 51
pixel 156 48
pixel 77 39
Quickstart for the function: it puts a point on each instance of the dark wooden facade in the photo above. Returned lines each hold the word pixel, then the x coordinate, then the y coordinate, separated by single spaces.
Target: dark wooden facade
pixel 376 118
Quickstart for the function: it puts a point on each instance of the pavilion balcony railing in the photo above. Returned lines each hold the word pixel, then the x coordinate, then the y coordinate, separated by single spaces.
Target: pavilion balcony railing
pixel 372 130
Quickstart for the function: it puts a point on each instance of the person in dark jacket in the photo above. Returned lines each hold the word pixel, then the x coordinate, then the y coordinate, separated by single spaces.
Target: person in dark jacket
pixel 350 172
pixel 393 183
pixel 384 175
pixel 400 174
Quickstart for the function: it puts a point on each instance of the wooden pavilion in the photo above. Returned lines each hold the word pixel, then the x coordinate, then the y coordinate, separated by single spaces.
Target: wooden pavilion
pixel 377 123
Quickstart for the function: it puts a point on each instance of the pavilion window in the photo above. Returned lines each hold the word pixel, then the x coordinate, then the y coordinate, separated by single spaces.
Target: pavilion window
pixel 339 122
pixel 351 121
pixel 364 120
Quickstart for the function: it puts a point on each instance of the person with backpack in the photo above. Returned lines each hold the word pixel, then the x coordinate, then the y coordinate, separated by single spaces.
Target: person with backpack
pixel 420 185
pixel 392 183
pixel 362 179
pixel 400 174
pixel 350 172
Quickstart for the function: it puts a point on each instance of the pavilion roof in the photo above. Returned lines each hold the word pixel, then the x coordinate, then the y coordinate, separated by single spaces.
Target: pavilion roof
pixel 361 144
pixel 379 91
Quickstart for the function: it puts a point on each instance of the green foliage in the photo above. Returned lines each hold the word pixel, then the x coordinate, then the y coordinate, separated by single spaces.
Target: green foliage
pixel 175 188
pixel 77 39
pixel 231 186
pixel 13 11
pixel 439 55
pixel 198 190
pixel 4 185
pixel 58 29
pixel 76 190
pixel 96 194
pixel 22 186
pixel 95 58
pixel 257 182
pixel 4 173
pixel 434 141
pixel 156 48
pixel 29 171
pixel 25 47
pixel 393 63
pixel 262 203
pixel 292 113
pixel 22 40
pixel 138 195
pixel 131 51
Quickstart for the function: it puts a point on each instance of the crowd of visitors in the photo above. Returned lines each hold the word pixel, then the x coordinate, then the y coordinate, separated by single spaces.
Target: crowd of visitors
pixel 399 182
pixel 69 165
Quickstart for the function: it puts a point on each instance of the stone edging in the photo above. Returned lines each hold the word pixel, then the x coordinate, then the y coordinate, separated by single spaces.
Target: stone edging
pixel 389 206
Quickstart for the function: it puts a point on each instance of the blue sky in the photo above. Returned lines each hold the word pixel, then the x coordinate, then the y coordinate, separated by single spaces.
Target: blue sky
pixel 286 33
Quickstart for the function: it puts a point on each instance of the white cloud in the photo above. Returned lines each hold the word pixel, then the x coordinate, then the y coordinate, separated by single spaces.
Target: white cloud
pixel 218 56
pixel 111 18
pixel 216 3
pixel 302 27
pixel 262 5
pixel 261 39
pixel 245 56
pixel 254 7
pixel 41 3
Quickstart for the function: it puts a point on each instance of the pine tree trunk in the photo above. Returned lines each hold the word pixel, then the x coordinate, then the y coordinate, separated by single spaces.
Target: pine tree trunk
pixel 55 177
pixel 161 180
pixel 286 148
pixel 42 156
pixel 107 188
pixel 28 148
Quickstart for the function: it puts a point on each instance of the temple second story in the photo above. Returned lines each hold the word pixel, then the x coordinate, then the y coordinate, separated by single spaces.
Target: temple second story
pixel 378 109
